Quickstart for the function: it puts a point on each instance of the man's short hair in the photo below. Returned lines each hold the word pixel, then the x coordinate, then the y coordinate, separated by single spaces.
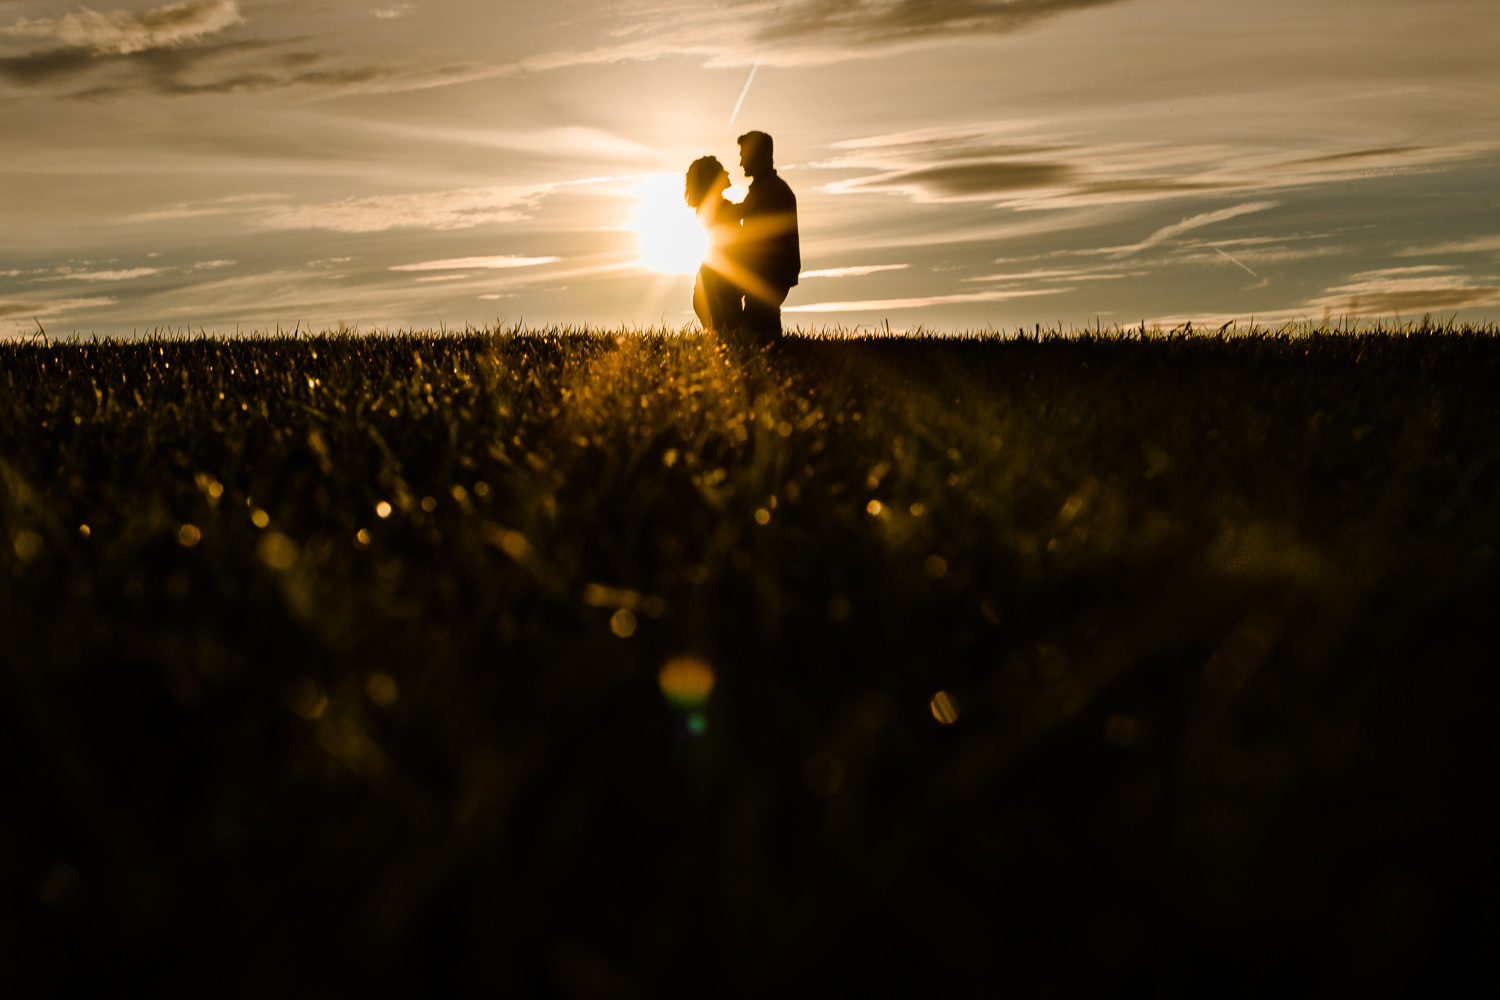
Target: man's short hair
pixel 759 143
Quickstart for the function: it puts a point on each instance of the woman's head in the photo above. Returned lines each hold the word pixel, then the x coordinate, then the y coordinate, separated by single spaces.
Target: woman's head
pixel 703 179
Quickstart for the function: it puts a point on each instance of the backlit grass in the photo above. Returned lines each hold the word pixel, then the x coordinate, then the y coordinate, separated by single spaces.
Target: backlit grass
pixel 541 661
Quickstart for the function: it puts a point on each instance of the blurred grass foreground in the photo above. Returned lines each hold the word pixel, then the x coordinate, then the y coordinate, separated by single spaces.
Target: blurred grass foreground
pixel 598 665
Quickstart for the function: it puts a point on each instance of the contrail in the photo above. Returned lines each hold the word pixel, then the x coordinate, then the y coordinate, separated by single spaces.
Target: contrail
pixel 1236 263
pixel 735 113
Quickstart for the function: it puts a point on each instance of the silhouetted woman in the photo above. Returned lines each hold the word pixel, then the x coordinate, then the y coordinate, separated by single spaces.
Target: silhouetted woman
pixel 716 298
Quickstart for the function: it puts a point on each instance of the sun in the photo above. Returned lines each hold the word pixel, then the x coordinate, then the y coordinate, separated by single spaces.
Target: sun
pixel 668 238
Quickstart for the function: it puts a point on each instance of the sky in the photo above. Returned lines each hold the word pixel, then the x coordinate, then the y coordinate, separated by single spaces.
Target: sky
pixel 959 165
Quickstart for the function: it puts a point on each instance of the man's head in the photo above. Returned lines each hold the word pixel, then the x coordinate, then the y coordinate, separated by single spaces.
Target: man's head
pixel 755 153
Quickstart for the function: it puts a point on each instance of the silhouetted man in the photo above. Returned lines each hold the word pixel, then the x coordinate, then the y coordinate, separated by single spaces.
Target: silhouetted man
pixel 768 252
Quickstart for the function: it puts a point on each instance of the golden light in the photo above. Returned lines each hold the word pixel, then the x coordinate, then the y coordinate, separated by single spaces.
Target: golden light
pixel 667 234
pixel 687 682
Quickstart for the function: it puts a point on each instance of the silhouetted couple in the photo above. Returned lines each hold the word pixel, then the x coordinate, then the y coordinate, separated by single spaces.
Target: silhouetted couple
pixel 754 257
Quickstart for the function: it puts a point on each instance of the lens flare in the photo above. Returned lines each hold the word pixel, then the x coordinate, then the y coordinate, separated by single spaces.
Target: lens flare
pixel 668 237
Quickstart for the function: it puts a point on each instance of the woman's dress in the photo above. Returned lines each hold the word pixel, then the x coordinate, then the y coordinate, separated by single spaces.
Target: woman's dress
pixel 717 300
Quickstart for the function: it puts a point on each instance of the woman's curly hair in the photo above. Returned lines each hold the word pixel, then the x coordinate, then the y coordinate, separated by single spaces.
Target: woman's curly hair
pixel 701 174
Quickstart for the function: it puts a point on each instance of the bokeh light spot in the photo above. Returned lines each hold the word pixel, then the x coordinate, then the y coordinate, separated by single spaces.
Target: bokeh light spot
pixel 762 516
pixel 28 545
pixel 944 708
pixel 382 509
pixel 622 623
pixel 259 518
pixel 697 723
pixel 382 689
pixel 188 535
pixel 687 682
pixel 278 551
pixel 875 507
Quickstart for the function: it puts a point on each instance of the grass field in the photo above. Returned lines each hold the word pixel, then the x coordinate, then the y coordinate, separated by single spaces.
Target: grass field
pixel 615 665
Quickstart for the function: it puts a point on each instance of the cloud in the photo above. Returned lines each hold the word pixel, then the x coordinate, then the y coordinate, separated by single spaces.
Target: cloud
pixel 800 32
pixel 232 205
pixel 67 274
pixel 1195 253
pixel 172 50
pixel 992 162
pixel 1176 229
pixel 126 32
pixel 851 272
pixel 12 307
pixel 19 318
pixel 459 208
pixel 474 263
pixel 1477 244
pixel 177 70
pixel 1407 290
pixel 884 22
pixel 1382 152
pixel 1035 164
pixel 462 208
pixel 878 305
pixel 1055 274
pixel 962 181
pixel 391 13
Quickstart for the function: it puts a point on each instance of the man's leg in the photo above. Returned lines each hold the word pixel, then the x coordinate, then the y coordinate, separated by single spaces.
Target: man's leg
pixel 763 319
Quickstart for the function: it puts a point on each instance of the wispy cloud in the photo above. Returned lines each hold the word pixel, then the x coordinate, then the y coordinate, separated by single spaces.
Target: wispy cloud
pixel 123 32
pixel 232 205
pixel 803 32
pixel 851 272
pixel 474 263
pixel 456 208
pixel 182 49
pixel 393 12
pixel 964 181
pixel 222 67
pixel 919 302
pixel 1198 221
pixel 1407 290
pixel 462 208
pixel 20 318
pixel 123 274
pixel 1477 244
pixel 1068 274
pixel 886 22
pixel 1031 165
